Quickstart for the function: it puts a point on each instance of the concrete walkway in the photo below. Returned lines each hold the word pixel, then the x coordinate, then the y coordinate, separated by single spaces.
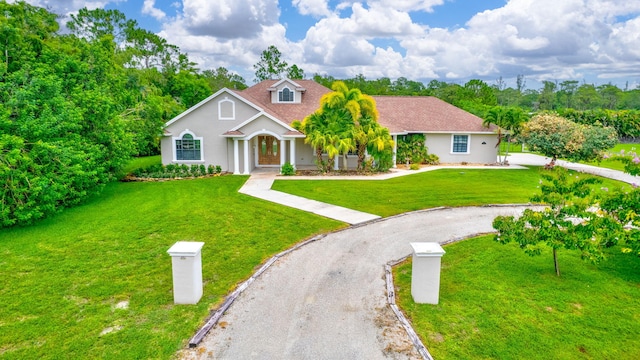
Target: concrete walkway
pixel 327 299
pixel 259 185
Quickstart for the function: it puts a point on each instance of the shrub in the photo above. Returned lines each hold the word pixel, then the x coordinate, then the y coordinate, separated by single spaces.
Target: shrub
pixel 414 166
pixel 432 159
pixel 218 169
pixel 287 169
pixel 412 147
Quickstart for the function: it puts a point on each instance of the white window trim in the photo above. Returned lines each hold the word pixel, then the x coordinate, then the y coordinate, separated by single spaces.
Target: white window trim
pixel 233 109
pixel 179 137
pixel 292 92
pixel 468 144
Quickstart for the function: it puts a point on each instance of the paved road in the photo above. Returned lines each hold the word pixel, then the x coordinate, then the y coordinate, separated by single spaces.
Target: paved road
pixel 327 300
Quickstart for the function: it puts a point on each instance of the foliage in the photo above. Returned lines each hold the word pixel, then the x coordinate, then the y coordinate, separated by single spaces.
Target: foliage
pixel 432 159
pixel 568 222
pixel 347 120
pixel 507 119
pixel 493 306
pixel 175 171
pixel 411 148
pixel 222 78
pixel 557 137
pixel 77 106
pixel 625 122
pixel 271 66
pixel 287 169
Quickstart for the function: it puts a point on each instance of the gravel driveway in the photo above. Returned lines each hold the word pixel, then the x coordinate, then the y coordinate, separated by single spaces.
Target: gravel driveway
pixel 327 300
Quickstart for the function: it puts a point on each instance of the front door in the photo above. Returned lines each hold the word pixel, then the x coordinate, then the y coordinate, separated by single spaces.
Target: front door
pixel 268 150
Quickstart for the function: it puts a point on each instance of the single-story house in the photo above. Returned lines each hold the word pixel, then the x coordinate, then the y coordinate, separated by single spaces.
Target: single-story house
pixel 248 129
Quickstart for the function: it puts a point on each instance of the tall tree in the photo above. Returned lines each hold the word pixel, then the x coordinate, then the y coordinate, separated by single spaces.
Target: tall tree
pixel 96 23
pixel 271 65
pixel 294 72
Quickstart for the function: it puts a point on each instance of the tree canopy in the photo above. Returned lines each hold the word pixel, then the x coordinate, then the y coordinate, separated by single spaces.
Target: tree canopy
pixel 77 106
pixel 271 66
pixel 557 137
pixel 347 120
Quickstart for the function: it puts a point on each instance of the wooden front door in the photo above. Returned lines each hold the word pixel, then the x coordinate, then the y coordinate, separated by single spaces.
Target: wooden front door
pixel 268 150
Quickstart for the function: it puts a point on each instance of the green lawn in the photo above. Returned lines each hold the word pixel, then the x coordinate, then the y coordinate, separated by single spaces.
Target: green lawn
pixel 63 277
pixel 443 187
pixel 498 303
pixel 616 150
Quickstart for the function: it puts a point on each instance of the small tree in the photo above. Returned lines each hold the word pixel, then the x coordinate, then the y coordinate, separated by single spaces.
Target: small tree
pixel 555 137
pixel 568 222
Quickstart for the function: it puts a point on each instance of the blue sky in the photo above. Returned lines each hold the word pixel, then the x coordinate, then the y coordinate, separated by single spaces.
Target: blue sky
pixel 595 41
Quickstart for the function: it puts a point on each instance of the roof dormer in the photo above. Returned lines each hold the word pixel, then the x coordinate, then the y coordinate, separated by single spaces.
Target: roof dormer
pixel 286 91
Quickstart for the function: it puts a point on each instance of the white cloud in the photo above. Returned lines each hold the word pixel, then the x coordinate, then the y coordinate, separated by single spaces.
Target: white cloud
pixel 542 39
pixel 148 8
pixel 411 5
pixel 318 8
pixel 228 19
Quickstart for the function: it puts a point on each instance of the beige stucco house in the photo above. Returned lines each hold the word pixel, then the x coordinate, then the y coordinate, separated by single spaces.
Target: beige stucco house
pixel 244 130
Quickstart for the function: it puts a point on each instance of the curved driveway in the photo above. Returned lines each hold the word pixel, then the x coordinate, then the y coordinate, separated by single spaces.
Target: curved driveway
pixel 327 300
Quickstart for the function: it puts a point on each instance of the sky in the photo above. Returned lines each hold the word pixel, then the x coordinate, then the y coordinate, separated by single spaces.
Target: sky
pixel 592 41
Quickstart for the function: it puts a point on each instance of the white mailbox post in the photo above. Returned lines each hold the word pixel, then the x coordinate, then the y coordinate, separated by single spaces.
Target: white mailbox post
pixel 425 272
pixel 186 261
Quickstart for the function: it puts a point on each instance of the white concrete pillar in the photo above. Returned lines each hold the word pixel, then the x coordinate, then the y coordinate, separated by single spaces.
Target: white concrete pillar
pixel 395 149
pixel 246 157
pixel 236 155
pixel 425 272
pixel 186 262
pixel 292 152
pixel 283 158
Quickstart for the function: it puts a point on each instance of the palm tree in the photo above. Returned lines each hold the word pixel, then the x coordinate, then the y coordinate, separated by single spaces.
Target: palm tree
pixel 343 123
pixel 507 119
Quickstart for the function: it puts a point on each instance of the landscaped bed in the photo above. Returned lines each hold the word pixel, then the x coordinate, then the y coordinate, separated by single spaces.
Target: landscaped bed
pixel 498 303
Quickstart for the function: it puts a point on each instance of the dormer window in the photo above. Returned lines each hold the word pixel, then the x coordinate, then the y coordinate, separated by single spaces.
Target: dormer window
pixel 286 95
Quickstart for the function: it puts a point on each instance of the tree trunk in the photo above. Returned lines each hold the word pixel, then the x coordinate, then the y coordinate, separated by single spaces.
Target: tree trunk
pixel 555 262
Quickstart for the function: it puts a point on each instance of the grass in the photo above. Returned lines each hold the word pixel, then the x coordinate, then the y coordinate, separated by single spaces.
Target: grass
pixel 498 303
pixel 140 163
pixel 62 278
pixel 615 164
pixel 443 187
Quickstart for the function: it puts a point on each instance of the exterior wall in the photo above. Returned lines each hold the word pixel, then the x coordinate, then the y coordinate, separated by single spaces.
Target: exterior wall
pixel 479 153
pixel 204 122
pixel 305 154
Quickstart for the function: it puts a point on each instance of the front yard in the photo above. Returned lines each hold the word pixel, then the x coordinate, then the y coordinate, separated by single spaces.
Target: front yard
pixel 95 281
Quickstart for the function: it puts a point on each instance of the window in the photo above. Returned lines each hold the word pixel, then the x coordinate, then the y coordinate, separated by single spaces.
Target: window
pixel 187 148
pixel 286 95
pixel 460 144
